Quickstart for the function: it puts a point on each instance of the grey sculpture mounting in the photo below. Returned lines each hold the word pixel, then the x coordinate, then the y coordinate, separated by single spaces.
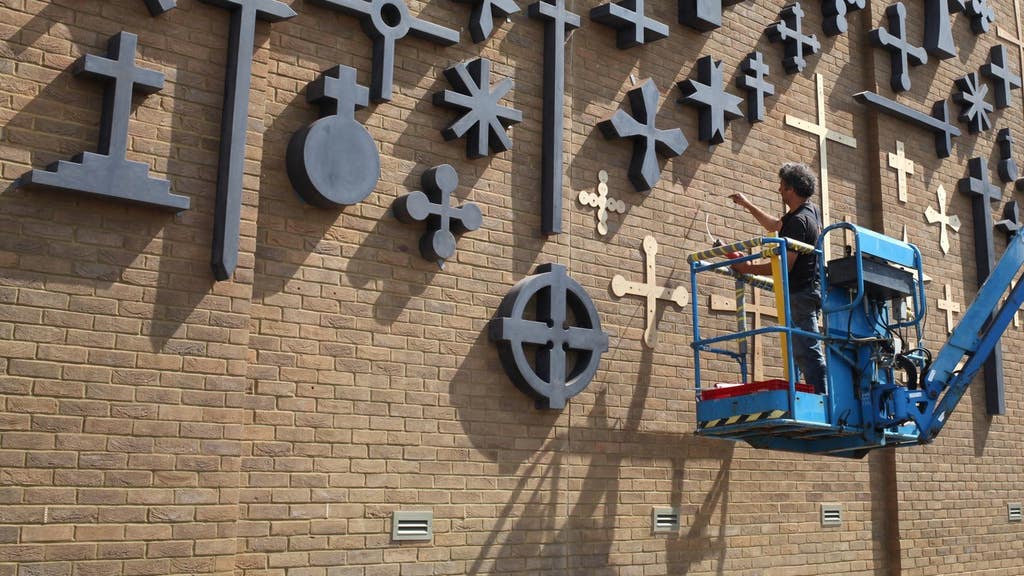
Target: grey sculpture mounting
pixel 548 376
pixel 981 13
pixel 835 11
pixel 434 206
pixel 974 110
pixel 754 71
pixel 484 119
pixel 1007 165
pixel 628 19
pixel 1004 80
pixel 938 122
pixel 938 31
pixel 903 53
pixel 481 20
pixel 557 22
pixel 983 194
pixel 108 173
pixel 708 94
pixel 639 126
pixel 789 31
pixel 158 7
pixel 703 15
pixel 334 161
pixel 234 123
pixel 1010 224
pixel 387 22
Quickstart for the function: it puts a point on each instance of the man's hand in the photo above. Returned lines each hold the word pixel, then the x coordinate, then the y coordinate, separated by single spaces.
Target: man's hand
pixel 740 199
pixel 743 267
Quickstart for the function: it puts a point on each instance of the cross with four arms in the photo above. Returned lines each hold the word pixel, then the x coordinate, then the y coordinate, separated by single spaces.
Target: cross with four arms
pixel 481 20
pixel 708 94
pixel 484 120
pixel 650 291
pixel 903 52
pixel 1010 223
pixel 434 206
pixel 949 306
pixel 1007 165
pixel 1002 77
pixel 789 30
pixel 903 166
pixel 939 216
pixel 703 15
pixel 1015 40
pixel 639 126
pixel 627 17
pixel 753 81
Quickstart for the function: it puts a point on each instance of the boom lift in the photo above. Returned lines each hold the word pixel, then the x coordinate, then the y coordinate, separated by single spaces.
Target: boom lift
pixel 881 389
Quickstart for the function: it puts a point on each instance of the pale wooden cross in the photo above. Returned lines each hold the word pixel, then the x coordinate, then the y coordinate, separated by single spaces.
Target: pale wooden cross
pixel 602 202
pixel 824 135
pixel 651 291
pixel 939 216
pixel 950 306
pixel 758 309
pixel 903 166
pixel 1015 40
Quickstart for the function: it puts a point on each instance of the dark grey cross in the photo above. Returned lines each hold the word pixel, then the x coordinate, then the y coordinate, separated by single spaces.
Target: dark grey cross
pixel 157 7
pixel 983 194
pixel 974 110
pixel 708 94
pixel 938 31
pixel 633 27
pixel 903 53
pixel 108 173
pixel 981 13
pixel 1010 224
pixel 789 31
pixel 1004 80
pixel 434 206
pixel 387 22
pixel 484 120
pixel 938 122
pixel 835 11
pixel 1007 165
pixel 481 20
pixel 703 15
pixel 639 126
pixel 567 328
pixel 558 21
pixel 755 70
pixel 234 122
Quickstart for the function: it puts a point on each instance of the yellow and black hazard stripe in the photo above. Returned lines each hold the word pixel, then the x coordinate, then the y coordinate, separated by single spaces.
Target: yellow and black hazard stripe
pixel 744 418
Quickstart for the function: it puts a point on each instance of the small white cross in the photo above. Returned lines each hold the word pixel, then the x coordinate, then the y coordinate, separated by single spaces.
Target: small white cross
pixel 602 202
pixel 651 291
pixel 903 166
pixel 939 216
pixel 950 306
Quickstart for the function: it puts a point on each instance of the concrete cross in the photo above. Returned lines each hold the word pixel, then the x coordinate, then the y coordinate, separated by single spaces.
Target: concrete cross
pixel 951 307
pixel 703 15
pixel 940 217
pixel 602 202
pixel 903 53
pixel 1010 224
pixel 484 119
pixel 434 206
pixel 628 19
pixel 754 71
pixel 481 20
pixel 824 135
pixel 789 31
pixel 650 291
pixel 903 166
pixel 1015 40
pixel 974 110
pixel 938 31
pixel 1007 165
pixel 708 94
pixel 1004 80
pixel 759 309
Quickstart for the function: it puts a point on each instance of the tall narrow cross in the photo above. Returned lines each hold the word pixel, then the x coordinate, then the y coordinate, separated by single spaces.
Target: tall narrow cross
pixel 708 95
pixel 633 28
pixel 903 53
pixel 789 31
pixel 703 15
pixel 951 307
pixel 602 202
pixel 903 166
pixel 650 291
pixel 938 31
pixel 1015 40
pixel 558 21
pixel 759 309
pixel 824 135
pixel 434 206
pixel 753 80
pixel 942 219
pixel 640 127
pixel 1004 80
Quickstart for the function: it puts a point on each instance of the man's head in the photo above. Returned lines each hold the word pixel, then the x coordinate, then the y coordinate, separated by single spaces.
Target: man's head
pixel 798 177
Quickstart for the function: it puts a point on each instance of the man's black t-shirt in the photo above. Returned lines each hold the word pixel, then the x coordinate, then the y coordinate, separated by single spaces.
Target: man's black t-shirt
pixel 802 225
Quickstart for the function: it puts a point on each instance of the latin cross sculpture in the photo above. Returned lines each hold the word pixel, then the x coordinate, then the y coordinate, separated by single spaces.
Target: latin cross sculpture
pixel 789 31
pixel 950 307
pixel 703 15
pixel 938 30
pixel 1011 38
pixel 998 70
pixel 536 353
pixel 834 13
pixel 387 22
pixel 433 206
pixel 1007 165
pixel 633 28
pixel 602 202
pixel 334 161
pixel 754 72
pixel 481 20
pixel 648 139
pixel 558 21
pixel 107 173
pixel 158 7
pixel 707 94
pixel 234 124
pixel 938 122
pixel 1010 224
pixel 903 167
pixel 943 219
pixel 904 54
pixel 974 110
pixel 650 291
pixel 484 120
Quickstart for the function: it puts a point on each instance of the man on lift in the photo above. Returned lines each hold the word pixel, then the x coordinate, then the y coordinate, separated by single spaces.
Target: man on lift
pixel 801 222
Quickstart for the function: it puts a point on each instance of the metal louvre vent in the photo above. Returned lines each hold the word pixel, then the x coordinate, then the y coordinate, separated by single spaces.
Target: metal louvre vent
pixel 831 515
pixel 1014 512
pixel 665 520
pixel 412 525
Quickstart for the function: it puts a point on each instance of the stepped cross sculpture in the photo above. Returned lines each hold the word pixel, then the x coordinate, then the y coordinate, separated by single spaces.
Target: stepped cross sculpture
pixel 974 110
pixel 632 27
pixel 703 15
pixel 650 291
pixel 753 80
pixel 903 167
pixel 1007 165
pixel 789 31
pixel 707 94
pixel 483 118
pixel 950 307
pixel 648 139
pixel 558 21
pixel 903 53
pixel 938 30
pixel 835 11
pixel 602 202
pixel 481 20
pixel 434 206
pixel 158 7
pixel 998 70
pixel 107 173
pixel 943 219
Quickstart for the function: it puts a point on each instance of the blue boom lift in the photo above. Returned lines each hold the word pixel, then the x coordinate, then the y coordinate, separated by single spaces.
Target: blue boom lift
pixel 881 390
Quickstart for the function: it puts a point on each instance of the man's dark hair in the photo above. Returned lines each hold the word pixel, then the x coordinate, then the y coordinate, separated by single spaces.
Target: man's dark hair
pixel 798 177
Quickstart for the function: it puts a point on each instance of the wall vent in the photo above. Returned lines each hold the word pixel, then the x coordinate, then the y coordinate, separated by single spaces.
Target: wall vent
pixel 1014 512
pixel 665 520
pixel 831 515
pixel 409 525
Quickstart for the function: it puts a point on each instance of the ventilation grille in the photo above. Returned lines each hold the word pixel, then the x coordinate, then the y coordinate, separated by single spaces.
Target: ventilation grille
pixel 412 526
pixel 1014 512
pixel 665 520
pixel 831 515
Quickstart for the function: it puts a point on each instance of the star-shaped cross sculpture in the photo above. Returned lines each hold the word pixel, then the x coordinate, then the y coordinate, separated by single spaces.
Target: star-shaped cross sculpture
pixel 974 110
pixel 716 105
pixel 484 120
pixel 1004 80
pixel 627 17
pixel 644 171
pixel 753 81
pixel 789 31
pixel 904 54
pixel 481 20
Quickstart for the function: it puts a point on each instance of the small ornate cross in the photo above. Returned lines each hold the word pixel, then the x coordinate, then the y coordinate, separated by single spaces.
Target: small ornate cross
pixel 789 30
pixel 602 202
pixel 903 166
pixel 939 216
pixel 903 53
pixel 650 291
pixel 950 306
pixel 434 206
